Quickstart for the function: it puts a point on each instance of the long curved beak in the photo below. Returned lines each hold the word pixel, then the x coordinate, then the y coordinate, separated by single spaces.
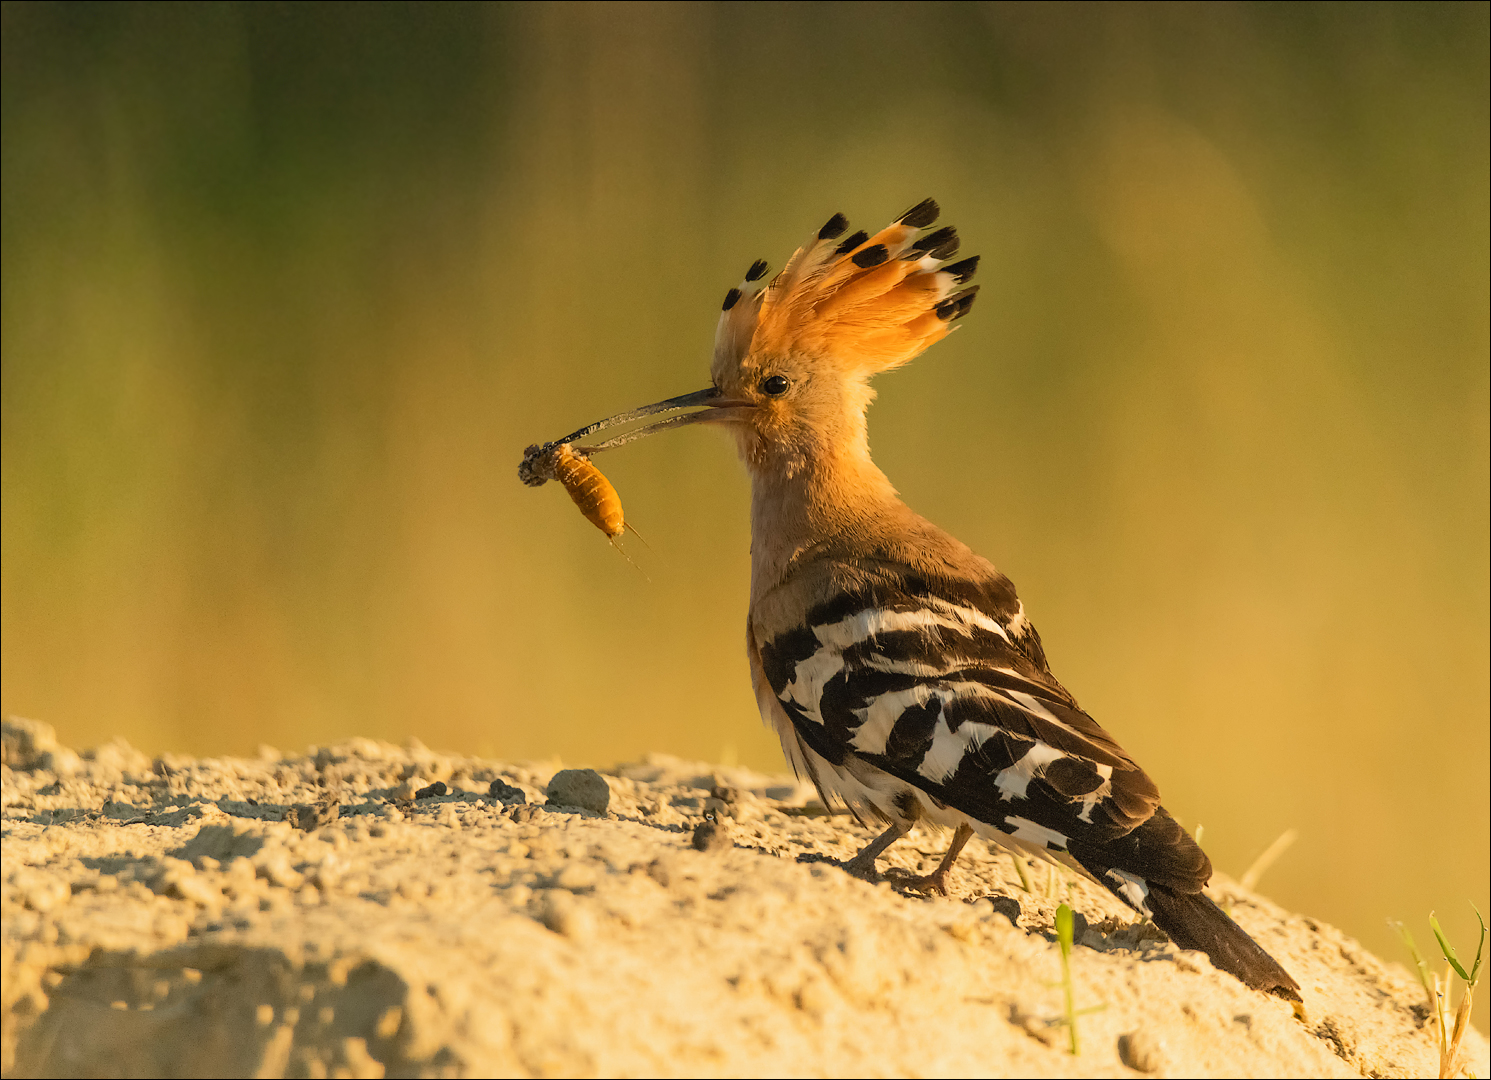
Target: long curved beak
pixel 712 406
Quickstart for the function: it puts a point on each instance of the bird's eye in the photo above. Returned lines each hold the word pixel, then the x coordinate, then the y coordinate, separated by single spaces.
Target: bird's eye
pixel 774 385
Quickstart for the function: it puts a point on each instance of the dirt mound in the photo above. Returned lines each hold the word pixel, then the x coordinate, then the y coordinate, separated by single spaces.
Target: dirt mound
pixel 433 914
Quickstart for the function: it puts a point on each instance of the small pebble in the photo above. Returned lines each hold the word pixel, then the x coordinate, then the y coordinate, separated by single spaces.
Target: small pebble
pixel 711 836
pixel 582 788
pixel 1142 1051
pixel 505 792
pixel 311 816
pixel 1007 906
pixel 435 790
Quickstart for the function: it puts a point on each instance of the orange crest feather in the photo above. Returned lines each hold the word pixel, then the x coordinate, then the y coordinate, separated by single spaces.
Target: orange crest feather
pixel 868 302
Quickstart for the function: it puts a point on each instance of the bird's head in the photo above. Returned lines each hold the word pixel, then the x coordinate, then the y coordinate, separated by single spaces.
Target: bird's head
pixel 793 356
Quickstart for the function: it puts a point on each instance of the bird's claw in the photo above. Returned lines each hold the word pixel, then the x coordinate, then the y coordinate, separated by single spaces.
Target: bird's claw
pixel 933 884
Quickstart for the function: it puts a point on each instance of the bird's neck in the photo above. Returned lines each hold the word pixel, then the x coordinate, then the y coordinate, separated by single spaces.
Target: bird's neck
pixel 803 503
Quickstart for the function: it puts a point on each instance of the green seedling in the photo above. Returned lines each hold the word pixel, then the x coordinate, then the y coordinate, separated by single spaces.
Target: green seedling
pixel 1071 1012
pixel 1430 982
pixel 1448 1057
pixel 1438 994
pixel 1420 965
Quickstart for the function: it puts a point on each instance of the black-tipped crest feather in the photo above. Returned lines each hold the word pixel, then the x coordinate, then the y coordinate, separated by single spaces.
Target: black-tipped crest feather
pixel 921 215
pixel 935 240
pixel 947 249
pixel 957 305
pixel 962 271
pixel 852 242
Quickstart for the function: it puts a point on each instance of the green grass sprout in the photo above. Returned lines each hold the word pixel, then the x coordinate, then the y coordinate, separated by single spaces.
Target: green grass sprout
pixel 1438 995
pixel 1449 1048
pixel 1064 939
pixel 1420 965
pixel 1064 930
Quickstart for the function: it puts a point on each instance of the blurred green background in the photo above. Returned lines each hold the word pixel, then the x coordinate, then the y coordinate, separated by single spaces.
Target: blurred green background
pixel 287 288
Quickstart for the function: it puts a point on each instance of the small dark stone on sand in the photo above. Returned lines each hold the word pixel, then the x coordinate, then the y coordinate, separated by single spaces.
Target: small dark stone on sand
pixel 583 788
pixel 505 792
pixel 711 836
pixel 311 816
pixel 435 790
pixel 1007 906
pixel 1142 1050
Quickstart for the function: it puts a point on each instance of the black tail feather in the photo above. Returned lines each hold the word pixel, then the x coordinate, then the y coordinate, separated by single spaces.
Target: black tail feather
pixel 1193 922
pixel 1162 872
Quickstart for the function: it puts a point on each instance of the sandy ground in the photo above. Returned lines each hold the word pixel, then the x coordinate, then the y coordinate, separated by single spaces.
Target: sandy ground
pixel 340 913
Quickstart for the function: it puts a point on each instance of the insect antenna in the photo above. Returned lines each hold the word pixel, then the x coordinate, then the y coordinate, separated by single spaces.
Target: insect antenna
pixel 631 529
pixel 614 541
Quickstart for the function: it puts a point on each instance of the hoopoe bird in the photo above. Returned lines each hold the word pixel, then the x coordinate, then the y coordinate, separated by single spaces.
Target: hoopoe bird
pixel 898 667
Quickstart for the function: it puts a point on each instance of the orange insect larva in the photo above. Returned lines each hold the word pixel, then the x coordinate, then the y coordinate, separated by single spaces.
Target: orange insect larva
pixel 586 485
pixel 592 492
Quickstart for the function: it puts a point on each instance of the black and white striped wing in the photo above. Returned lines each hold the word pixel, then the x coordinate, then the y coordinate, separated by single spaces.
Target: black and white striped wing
pixel 945 686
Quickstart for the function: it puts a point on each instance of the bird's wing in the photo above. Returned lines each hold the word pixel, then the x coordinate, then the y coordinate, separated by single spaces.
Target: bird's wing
pixel 943 684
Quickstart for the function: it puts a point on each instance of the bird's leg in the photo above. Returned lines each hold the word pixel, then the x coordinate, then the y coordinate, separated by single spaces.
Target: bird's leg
pixel 936 881
pixel 863 865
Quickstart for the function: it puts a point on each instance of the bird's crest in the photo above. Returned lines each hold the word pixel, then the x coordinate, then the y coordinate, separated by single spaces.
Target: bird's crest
pixel 868 303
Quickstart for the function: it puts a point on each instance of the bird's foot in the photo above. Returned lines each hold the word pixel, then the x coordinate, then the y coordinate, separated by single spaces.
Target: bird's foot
pixel 933 884
pixel 862 865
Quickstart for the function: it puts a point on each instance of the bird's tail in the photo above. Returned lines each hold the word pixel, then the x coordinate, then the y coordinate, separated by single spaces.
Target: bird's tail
pixel 1193 921
pixel 1165 870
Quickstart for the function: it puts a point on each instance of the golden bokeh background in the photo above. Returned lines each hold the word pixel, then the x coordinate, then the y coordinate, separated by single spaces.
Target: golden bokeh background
pixel 287 288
